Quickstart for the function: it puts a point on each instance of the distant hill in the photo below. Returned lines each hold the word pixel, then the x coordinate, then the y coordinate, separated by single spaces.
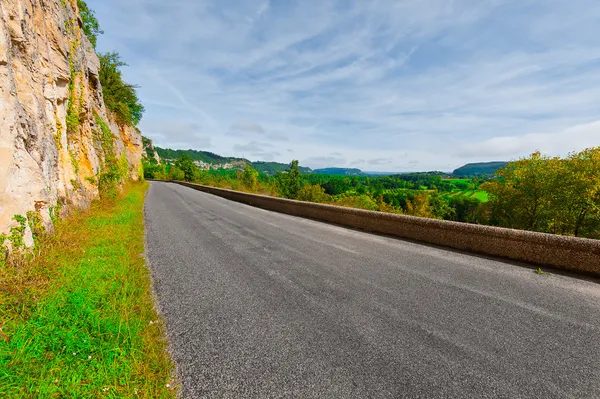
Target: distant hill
pixel 271 168
pixel 479 169
pixel 339 171
pixel 373 173
pixel 204 156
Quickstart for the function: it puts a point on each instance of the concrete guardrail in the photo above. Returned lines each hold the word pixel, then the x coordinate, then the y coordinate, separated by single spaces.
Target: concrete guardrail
pixel 562 252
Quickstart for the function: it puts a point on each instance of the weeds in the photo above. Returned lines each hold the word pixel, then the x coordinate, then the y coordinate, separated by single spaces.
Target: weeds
pixel 17 233
pixel 36 225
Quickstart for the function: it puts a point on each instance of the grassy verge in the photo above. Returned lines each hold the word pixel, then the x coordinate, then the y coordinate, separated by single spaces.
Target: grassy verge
pixel 78 317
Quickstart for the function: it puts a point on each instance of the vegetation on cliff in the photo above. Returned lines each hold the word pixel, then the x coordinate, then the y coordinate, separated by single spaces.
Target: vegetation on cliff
pixel 120 97
pixel 91 27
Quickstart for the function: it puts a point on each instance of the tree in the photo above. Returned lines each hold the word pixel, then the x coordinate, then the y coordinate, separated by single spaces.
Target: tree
pixel 385 207
pixel 186 164
pixel 313 193
pixel 553 195
pixel 120 97
pixel 153 170
pixel 440 206
pixel 290 183
pixel 420 206
pixel 576 199
pixel 250 178
pixel 520 194
pixel 91 27
pixel 465 208
pixel 176 174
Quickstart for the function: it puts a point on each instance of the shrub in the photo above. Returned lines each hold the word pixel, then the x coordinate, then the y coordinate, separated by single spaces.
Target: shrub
pixel 111 178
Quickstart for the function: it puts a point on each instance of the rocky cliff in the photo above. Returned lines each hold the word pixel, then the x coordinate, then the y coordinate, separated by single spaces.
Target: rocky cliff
pixel 149 150
pixel 57 139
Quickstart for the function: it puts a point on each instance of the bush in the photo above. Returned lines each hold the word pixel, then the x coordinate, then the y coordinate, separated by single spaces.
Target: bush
pixel 109 180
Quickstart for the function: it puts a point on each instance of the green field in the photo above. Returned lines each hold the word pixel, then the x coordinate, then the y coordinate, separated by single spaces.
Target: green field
pixel 479 194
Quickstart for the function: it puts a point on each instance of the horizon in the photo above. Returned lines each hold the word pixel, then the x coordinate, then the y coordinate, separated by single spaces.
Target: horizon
pixel 378 86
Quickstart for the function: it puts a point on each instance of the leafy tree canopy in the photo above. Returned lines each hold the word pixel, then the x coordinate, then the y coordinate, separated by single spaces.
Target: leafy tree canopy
pixel 187 166
pixel 549 194
pixel 120 97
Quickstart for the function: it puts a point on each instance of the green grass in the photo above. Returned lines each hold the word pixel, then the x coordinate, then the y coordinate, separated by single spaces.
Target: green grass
pixel 78 316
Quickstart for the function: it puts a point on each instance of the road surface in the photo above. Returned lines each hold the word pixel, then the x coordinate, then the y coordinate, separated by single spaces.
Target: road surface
pixel 260 304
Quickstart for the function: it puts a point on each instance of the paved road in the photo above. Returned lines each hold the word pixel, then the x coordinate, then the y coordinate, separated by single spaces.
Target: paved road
pixel 260 304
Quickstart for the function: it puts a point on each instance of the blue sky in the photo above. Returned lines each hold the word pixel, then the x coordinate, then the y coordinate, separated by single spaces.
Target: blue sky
pixel 378 85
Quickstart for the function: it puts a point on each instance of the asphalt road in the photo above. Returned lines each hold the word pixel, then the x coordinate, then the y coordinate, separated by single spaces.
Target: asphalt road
pixel 260 304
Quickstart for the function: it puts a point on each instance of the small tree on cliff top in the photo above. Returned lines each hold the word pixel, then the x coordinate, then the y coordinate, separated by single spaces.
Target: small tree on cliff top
pixel 91 27
pixel 120 97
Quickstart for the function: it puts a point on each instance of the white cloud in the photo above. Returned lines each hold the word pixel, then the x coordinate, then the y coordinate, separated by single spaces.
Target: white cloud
pixel 244 126
pixel 324 161
pixel 557 143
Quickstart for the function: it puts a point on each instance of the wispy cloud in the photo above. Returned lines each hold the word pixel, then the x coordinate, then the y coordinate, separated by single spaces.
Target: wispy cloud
pixel 421 84
pixel 249 127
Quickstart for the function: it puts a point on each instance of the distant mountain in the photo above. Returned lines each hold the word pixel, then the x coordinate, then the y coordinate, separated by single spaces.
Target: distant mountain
pixel 371 173
pixel 479 169
pixel 271 168
pixel 339 171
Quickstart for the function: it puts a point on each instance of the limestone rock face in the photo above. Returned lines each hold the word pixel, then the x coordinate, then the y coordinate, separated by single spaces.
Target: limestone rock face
pixel 149 150
pixel 52 144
